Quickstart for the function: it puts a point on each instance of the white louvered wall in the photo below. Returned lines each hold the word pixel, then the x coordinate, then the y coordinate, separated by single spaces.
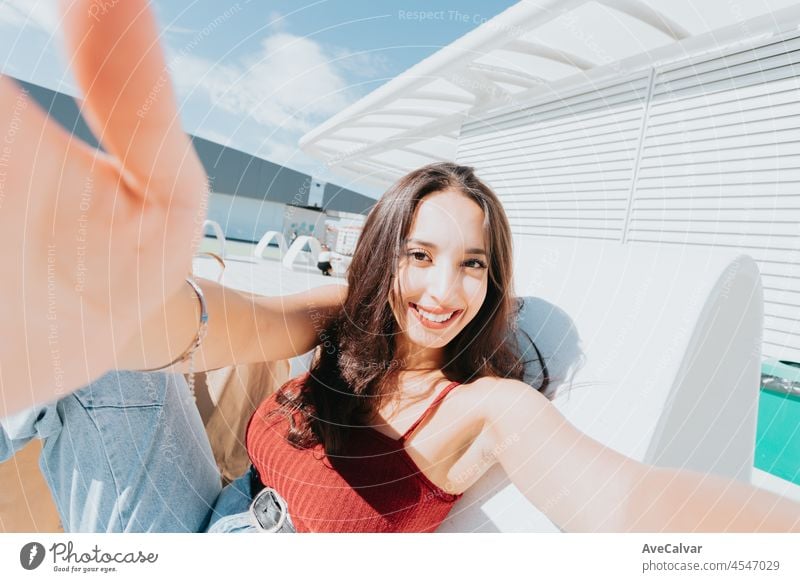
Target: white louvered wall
pixel 564 168
pixel 707 154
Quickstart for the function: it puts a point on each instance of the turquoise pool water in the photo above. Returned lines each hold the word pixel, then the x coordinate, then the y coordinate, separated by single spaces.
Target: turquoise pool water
pixel 778 433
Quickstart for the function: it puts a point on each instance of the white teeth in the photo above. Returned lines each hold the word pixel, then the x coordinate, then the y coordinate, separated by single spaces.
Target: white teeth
pixel 434 317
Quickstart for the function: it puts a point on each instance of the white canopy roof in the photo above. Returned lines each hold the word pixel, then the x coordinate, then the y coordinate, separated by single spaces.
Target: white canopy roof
pixel 524 52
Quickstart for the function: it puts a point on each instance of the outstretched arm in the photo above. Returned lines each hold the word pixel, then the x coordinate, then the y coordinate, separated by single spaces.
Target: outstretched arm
pixel 582 485
pixel 101 239
pixel 242 328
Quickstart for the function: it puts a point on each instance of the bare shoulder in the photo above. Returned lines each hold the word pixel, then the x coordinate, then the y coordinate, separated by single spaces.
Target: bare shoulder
pixel 501 410
pixel 504 397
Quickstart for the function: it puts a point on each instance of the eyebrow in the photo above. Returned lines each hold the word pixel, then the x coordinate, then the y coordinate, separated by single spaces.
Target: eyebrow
pixel 416 241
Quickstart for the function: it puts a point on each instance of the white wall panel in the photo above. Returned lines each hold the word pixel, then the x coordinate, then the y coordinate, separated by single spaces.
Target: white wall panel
pixel 563 168
pixel 703 152
pixel 735 147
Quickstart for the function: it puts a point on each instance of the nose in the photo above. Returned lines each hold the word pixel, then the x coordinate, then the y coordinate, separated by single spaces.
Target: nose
pixel 442 282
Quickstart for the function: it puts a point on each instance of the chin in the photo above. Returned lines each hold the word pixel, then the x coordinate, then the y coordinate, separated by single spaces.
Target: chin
pixel 422 339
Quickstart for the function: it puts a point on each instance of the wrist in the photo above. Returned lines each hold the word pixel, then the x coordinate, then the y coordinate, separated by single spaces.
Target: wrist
pixel 160 337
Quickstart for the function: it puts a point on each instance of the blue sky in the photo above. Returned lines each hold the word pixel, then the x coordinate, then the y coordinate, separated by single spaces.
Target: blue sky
pixel 256 74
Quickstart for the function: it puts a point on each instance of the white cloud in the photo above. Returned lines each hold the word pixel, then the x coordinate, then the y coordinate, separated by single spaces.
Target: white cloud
pixel 291 82
pixel 38 14
pixel 275 20
pixel 362 64
pixel 266 100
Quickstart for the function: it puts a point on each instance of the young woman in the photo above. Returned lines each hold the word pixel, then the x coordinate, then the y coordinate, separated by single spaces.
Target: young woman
pixel 324 261
pixel 415 389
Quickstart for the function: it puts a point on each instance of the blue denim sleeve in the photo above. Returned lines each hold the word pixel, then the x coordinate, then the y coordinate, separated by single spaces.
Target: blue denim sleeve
pixel 18 429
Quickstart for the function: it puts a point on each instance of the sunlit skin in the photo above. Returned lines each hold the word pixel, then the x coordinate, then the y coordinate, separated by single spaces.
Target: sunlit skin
pixel 443 270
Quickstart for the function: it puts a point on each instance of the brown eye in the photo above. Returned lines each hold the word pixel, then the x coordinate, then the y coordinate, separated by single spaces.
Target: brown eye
pixel 418 255
pixel 475 264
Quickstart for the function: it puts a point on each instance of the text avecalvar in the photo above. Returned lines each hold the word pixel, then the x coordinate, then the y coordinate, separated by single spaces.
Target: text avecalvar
pixel 671 549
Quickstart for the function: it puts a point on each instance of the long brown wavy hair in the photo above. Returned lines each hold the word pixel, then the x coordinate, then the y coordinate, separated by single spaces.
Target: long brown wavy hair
pixel 355 370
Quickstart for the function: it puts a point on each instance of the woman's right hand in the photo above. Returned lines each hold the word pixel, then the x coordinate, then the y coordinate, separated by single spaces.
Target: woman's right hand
pixel 95 242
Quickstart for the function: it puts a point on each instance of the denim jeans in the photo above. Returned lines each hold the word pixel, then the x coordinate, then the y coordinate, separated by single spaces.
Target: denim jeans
pixel 239 509
pixel 129 453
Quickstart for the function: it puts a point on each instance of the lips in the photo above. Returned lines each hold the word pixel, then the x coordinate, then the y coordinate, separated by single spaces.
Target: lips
pixel 433 318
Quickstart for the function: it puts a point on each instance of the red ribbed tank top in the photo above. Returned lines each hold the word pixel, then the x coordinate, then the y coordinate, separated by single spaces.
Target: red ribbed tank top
pixel 375 487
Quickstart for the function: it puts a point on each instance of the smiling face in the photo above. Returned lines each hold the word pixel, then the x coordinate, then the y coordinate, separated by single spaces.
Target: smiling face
pixel 442 277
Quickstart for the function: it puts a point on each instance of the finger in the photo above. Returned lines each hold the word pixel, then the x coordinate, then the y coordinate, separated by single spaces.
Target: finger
pixel 34 150
pixel 129 100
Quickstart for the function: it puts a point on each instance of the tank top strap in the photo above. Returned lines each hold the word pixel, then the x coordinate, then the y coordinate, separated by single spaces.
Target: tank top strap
pixel 428 410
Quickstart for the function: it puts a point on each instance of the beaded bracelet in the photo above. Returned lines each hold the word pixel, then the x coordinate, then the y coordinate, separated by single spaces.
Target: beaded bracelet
pixel 188 353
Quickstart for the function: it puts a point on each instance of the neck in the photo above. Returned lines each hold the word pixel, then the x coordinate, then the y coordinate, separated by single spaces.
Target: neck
pixel 412 387
pixel 416 359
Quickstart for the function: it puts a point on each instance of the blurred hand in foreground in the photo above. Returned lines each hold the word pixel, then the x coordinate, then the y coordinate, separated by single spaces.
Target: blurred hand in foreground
pixel 94 242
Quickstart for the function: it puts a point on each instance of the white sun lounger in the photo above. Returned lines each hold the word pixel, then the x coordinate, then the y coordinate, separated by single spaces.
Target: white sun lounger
pixel 655 352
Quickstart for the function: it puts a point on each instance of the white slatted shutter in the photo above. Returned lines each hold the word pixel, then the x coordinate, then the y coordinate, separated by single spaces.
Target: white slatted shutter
pixel 720 166
pixel 564 167
pixel 709 155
